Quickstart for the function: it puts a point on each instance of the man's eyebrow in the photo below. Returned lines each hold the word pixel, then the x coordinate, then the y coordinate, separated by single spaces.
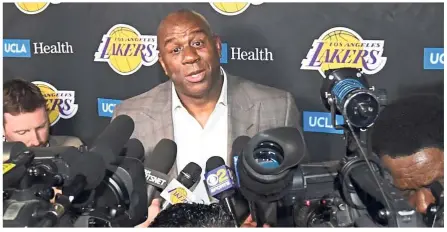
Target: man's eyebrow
pixel 194 32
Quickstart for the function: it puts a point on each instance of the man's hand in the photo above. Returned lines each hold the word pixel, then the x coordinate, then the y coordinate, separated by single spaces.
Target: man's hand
pixel 152 212
pixel 421 199
pixel 250 223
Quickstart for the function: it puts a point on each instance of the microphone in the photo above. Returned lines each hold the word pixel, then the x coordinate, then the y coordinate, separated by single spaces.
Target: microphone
pixel 133 149
pixel 158 165
pixel 178 190
pixel 112 140
pixel 12 149
pixel 16 160
pixel 220 183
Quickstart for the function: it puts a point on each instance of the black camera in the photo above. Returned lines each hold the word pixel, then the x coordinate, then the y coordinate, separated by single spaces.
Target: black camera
pixel 354 191
pixel 99 188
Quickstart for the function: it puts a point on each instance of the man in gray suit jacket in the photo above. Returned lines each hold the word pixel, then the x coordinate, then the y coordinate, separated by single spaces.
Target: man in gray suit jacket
pixel 202 107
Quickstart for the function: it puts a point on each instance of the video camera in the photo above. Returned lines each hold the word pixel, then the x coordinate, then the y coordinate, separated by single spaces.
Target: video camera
pixel 355 191
pixel 99 188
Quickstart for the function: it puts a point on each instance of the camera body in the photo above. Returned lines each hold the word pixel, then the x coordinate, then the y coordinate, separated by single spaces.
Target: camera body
pixel 118 198
pixel 119 201
pixel 22 207
pixel 316 199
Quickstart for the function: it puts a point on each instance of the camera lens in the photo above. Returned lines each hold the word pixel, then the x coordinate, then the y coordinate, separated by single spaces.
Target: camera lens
pixel 268 155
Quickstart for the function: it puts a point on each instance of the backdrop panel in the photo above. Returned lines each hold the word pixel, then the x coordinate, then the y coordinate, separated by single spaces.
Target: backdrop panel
pixel 99 50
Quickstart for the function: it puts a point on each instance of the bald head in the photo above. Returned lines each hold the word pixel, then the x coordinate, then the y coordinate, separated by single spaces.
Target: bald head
pixel 189 54
pixel 182 16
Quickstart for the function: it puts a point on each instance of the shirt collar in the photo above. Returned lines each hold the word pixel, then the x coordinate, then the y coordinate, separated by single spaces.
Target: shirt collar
pixel 223 99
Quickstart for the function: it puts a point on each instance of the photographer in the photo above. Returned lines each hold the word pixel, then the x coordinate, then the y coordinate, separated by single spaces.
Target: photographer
pixel 409 138
pixel 25 117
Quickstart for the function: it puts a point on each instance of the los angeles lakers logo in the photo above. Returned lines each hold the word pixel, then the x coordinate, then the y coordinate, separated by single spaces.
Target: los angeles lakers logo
pixel 126 50
pixel 33 7
pixel 232 8
pixel 178 195
pixel 343 48
pixel 60 104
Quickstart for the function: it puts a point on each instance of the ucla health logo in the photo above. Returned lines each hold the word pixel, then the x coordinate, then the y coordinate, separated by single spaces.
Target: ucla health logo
pixel 343 48
pixel 107 106
pixel 22 48
pixel 433 58
pixel 59 103
pixel 16 48
pixel 238 53
pixel 126 50
pixel 321 122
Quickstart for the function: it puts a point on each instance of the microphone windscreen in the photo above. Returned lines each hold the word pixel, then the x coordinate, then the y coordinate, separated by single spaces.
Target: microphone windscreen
pixel 214 162
pixel 190 175
pixel 112 140
pixel 90 165
pixel 134 149
pixel 12 149
pixel 163 156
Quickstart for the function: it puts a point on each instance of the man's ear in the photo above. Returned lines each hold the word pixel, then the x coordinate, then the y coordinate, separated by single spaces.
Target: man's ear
pixel 218 44
pixel 162 63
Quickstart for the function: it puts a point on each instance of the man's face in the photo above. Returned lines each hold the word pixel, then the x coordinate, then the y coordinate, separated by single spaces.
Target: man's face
pixel 32 129
pixel 189 55
pixel 416 171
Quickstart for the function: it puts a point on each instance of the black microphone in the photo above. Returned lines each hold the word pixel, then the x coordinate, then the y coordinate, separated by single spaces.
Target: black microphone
pixel 12 149
pixel 90 165
pixel 158 165
pixel 133 149
pixel 16 160
pixel 189 176
pixel 112 140
pixel 220 184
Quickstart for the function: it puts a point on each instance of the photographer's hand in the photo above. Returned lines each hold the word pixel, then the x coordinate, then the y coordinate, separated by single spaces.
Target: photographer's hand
pixel 250 223
pixel 152 212
pixel 421 199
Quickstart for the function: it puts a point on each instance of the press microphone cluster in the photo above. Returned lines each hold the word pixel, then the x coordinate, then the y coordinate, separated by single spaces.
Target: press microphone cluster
pixel 219 181
pixel 157 168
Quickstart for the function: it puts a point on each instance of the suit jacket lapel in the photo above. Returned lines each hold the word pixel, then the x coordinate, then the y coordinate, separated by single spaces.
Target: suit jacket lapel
pixel 242 116
pixel 160 110
pixel 242 119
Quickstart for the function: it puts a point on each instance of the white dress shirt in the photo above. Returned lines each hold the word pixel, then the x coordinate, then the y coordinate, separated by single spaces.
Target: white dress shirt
pixel 197 144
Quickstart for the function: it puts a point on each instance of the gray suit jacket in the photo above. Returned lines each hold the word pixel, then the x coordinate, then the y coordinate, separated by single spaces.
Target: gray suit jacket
pixel 251 108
